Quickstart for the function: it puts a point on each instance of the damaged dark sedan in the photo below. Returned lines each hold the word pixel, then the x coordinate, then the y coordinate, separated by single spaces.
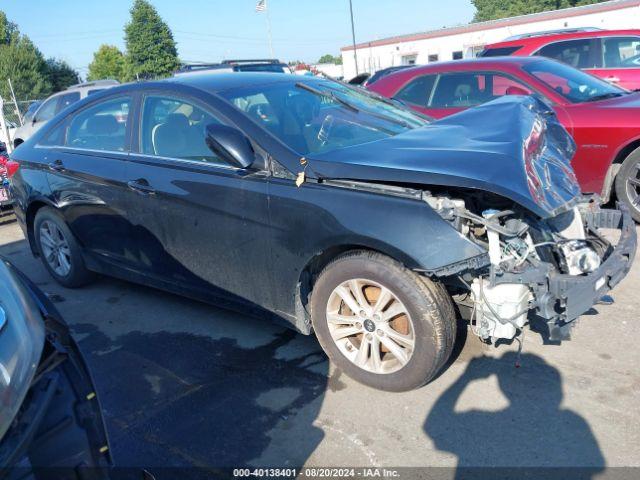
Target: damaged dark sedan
pixel 328 208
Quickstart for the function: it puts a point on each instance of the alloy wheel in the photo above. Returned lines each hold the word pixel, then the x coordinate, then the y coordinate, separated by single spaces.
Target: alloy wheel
pixel 633 186
pixel 370 326
pixel 55 248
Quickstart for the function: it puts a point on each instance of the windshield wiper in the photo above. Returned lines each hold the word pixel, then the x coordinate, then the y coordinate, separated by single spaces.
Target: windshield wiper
pixel 330 95
pixel 604 96
pixel 351 107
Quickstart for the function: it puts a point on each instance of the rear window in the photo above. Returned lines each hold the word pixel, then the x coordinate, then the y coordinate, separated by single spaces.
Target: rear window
pixel 499 51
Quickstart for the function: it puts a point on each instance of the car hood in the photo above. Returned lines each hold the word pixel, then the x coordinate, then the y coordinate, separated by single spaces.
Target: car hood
pixel 480 148
pixel 631 100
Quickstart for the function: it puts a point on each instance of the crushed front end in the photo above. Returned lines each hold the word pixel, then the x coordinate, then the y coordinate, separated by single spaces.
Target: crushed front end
pixel 554 269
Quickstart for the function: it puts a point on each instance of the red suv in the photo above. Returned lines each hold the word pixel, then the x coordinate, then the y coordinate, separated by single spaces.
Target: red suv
pixel 603 119
pixel 613 55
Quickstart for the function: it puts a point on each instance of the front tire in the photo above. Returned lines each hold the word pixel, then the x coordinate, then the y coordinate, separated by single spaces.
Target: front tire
pixel 628 184
pixel 59 251
pixel 382 324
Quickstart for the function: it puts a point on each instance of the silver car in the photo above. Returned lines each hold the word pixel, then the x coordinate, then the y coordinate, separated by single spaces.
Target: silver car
pixel 55 104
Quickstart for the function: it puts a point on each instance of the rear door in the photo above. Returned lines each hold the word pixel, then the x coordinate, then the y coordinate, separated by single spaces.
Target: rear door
pixel 86 157
pixel 200 223
pixel 621 61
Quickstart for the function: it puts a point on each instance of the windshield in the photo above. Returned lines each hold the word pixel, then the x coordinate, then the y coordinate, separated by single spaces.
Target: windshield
pixel 574 85
pixel 322 115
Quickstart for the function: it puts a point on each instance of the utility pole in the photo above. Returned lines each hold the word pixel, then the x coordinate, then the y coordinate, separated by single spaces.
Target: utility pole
pixel 353 36
pixel 269 31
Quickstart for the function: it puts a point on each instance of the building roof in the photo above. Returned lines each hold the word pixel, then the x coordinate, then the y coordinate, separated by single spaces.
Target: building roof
pixel 504 22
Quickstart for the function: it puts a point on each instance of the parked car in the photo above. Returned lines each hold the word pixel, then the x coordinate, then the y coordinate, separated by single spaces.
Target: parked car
pixel 51 424
pixel 603 119
pixel 383 73
pixel 325 207
pixel 227 66
pixel 34 119
pixel 6 170
pixel 613 55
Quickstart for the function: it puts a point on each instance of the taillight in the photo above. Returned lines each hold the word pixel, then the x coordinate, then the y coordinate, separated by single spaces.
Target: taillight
pixel 11 166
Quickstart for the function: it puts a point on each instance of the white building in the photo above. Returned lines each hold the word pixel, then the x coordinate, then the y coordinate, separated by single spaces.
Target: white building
pixel 466 41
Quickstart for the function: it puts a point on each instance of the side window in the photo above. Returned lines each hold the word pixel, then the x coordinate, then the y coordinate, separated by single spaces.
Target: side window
pixel 461 90
pixel 503 85
pixel 176 128
pixel 581 53
pixel 621 52
pixel 55 137
pixel 48 110
pixel 101 127
pixel 417 91
pixel 66 100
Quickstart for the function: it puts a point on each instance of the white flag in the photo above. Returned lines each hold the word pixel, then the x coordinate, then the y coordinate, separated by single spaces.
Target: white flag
pixel 261 6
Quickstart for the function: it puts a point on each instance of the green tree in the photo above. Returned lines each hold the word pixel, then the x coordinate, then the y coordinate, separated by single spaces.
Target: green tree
pixel 494 9
pixel 328 58
pixel 151 49
pixel 61 74
pixel 108 62
pixel 23 63
pixel 8 30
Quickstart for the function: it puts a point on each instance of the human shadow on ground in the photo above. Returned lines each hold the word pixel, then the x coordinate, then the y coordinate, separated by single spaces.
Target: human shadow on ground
pixel 534 435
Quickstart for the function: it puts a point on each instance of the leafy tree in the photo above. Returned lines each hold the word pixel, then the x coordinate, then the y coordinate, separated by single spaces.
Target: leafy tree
pixel 328 58
pixel 494 9
pixel 61 74
pixel 8 30
pixel 151 49
pixel 23 63
pixel 108 62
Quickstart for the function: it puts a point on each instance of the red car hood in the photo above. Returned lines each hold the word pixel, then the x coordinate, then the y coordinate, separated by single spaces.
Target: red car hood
pixel 631 100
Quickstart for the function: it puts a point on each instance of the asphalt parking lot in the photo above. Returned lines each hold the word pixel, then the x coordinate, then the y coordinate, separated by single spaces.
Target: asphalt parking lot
pixel 187 384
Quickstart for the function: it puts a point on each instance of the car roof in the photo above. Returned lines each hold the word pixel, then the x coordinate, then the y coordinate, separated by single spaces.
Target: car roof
pixel 218 82
pixel 543 39
pixel 480 62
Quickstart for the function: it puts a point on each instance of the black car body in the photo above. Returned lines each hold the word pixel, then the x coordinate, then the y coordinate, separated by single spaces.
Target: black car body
pixel 51 424
pixel 310 176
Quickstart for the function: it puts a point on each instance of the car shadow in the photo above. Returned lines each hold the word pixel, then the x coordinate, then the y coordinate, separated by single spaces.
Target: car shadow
pixel 189 386
pixel 531 435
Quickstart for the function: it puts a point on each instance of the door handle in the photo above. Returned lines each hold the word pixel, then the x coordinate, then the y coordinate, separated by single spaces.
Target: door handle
pixel 141 186
pixel 56 166
pixel 612 79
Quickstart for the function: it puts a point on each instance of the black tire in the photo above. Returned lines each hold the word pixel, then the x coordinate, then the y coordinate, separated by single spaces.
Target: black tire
pixel 78 275
pixel 629 169
pixel 428 304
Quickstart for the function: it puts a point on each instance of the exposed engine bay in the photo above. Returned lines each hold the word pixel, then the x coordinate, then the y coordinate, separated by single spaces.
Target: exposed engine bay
pixel 555 269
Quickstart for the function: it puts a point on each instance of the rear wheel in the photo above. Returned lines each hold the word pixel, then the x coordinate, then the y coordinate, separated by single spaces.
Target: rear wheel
pixel 628 183
pixel 59 250
pixel 381 323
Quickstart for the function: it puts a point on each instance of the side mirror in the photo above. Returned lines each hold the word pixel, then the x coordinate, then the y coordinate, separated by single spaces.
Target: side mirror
pixel 231 144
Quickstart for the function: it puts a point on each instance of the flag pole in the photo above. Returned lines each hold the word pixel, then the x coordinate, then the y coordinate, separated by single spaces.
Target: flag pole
pixel 353 36
pixel 269 29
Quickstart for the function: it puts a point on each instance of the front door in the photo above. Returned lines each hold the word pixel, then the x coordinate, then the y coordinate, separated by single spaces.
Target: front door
pixel 621 61
pixel 200 223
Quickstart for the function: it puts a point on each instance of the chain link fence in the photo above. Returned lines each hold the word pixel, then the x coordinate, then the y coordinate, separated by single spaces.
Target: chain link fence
pixel 12 113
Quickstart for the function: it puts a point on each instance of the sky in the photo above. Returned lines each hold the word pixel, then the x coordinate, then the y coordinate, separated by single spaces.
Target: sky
pixel 211 30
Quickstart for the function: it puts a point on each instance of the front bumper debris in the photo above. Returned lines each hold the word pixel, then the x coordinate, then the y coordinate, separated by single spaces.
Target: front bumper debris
pixel 563 298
